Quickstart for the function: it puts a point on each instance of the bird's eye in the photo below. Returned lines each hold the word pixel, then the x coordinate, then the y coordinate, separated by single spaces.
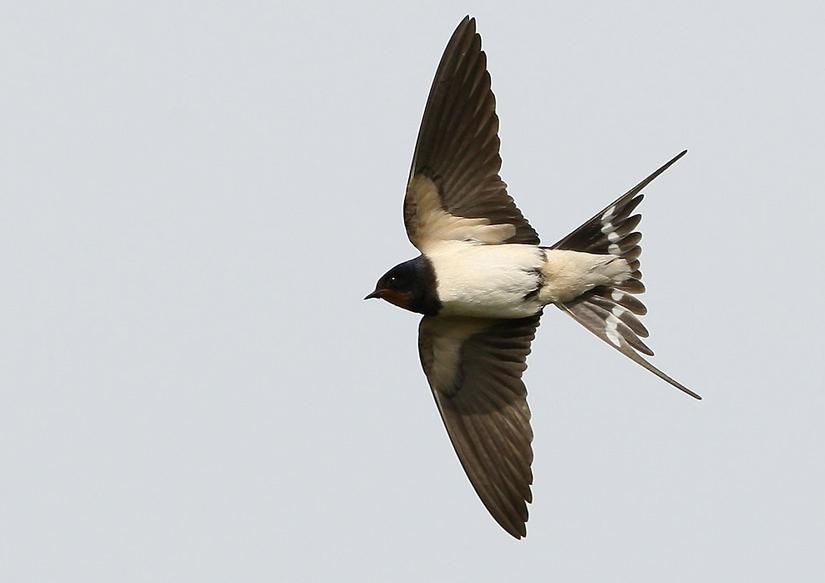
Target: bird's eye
pixel 393 280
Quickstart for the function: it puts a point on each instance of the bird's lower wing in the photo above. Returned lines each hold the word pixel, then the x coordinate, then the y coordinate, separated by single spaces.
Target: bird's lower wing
pixel 474 367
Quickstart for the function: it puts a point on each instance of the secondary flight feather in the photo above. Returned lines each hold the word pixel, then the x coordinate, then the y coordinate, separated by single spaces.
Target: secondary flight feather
pixel 482 281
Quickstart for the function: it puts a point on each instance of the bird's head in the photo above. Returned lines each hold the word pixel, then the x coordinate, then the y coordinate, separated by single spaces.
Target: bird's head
pixel 409 285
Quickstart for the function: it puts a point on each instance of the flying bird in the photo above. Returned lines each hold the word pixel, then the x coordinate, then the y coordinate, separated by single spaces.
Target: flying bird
pixel 482 281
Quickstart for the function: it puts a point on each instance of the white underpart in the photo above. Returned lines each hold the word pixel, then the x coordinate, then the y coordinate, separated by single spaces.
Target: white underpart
pixel 500 281
pixel 487 281
pixel 568 274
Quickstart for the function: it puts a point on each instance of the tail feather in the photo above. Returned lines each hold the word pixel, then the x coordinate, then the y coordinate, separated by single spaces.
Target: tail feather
pixel 584 316
pixel 625 316
pixel 622 299
pixel 613 325
pixel 592 236
pixel 631 286
pixel 610 312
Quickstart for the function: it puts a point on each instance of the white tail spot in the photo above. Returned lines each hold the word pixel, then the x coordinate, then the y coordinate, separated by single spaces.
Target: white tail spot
pixel 608 214
pixel 607 228
pixel 616 295
pixel 612 236
pixel 614 249
pixel 611 324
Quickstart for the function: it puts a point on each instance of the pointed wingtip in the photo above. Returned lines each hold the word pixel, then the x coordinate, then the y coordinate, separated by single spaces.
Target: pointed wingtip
pixel 468 22
pixel 518 533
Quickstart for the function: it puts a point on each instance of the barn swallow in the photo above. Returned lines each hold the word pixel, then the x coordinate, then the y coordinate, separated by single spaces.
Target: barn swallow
pixel 482 281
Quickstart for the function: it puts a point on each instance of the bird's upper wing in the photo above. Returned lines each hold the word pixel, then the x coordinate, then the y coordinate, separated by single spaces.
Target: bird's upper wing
pixel 454 190
pixel 474 368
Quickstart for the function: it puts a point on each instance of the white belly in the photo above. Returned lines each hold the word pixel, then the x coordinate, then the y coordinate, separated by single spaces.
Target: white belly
pixel 487 281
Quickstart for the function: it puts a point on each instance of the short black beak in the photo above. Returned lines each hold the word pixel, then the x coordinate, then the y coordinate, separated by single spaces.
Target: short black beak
pixel 375 294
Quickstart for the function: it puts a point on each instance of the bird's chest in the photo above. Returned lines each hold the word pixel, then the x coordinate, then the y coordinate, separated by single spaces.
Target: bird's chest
pixel 488 281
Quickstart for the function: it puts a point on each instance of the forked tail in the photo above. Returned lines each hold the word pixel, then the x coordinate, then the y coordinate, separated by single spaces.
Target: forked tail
pixel 610 312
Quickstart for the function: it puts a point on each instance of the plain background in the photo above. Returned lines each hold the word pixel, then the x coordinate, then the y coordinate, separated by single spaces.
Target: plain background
pixel 196 196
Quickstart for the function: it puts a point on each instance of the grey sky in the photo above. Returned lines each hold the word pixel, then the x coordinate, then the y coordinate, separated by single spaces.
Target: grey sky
pixel 195 198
